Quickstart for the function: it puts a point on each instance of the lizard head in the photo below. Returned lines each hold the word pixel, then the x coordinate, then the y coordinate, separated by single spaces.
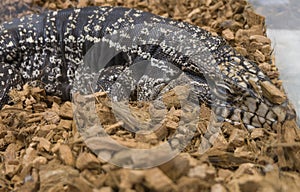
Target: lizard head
pixel 246 95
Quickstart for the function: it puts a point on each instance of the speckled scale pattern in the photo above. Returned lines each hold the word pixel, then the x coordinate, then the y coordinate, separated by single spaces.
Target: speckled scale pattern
pixel 47 49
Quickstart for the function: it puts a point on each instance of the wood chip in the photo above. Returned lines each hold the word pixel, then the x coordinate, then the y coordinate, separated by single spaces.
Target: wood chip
pixel 257 133
pixel 260 39
pixel 43 144
pixel 176 168
pixel 65 124
pixel 228 34
pixel 66 110
pixel 158 181
pixel 259 56
pixel 237 138
pixel 87 161
pixel 218 188
pixel 272 93
pixel 192 184
pixel 66 155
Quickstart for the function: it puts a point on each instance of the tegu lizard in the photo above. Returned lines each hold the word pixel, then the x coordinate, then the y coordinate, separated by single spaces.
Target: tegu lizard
pixel 49 47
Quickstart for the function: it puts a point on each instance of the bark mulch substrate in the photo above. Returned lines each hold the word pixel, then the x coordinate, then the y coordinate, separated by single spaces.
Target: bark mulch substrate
pixel 42 150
